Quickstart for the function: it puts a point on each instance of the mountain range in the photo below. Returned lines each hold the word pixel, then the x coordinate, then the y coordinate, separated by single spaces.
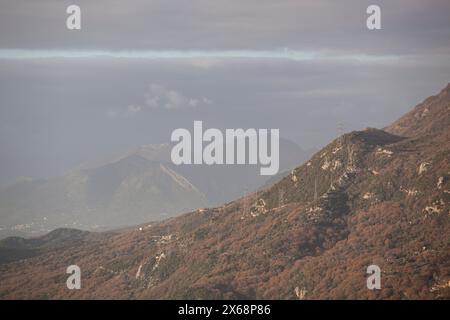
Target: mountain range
pixel 371 197
pixel 128 188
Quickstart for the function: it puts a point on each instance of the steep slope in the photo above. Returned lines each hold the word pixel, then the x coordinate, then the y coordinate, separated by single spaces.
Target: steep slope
pixel 227 182
pixel 429 117
pixel 369 197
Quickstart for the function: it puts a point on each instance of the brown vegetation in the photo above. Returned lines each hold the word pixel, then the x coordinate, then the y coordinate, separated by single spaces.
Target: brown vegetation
pixel 369 197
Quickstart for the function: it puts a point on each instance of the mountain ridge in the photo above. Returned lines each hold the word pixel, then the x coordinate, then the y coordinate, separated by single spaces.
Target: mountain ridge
pixel 369 197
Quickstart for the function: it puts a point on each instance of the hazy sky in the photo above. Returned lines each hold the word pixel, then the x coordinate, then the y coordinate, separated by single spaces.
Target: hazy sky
pixel 139 69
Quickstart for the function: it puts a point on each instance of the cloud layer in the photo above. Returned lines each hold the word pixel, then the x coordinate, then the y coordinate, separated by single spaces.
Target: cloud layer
pixel 408 26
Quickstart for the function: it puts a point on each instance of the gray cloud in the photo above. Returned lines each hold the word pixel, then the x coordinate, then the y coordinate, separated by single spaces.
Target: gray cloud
pixel 409 26
pixel 159 96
